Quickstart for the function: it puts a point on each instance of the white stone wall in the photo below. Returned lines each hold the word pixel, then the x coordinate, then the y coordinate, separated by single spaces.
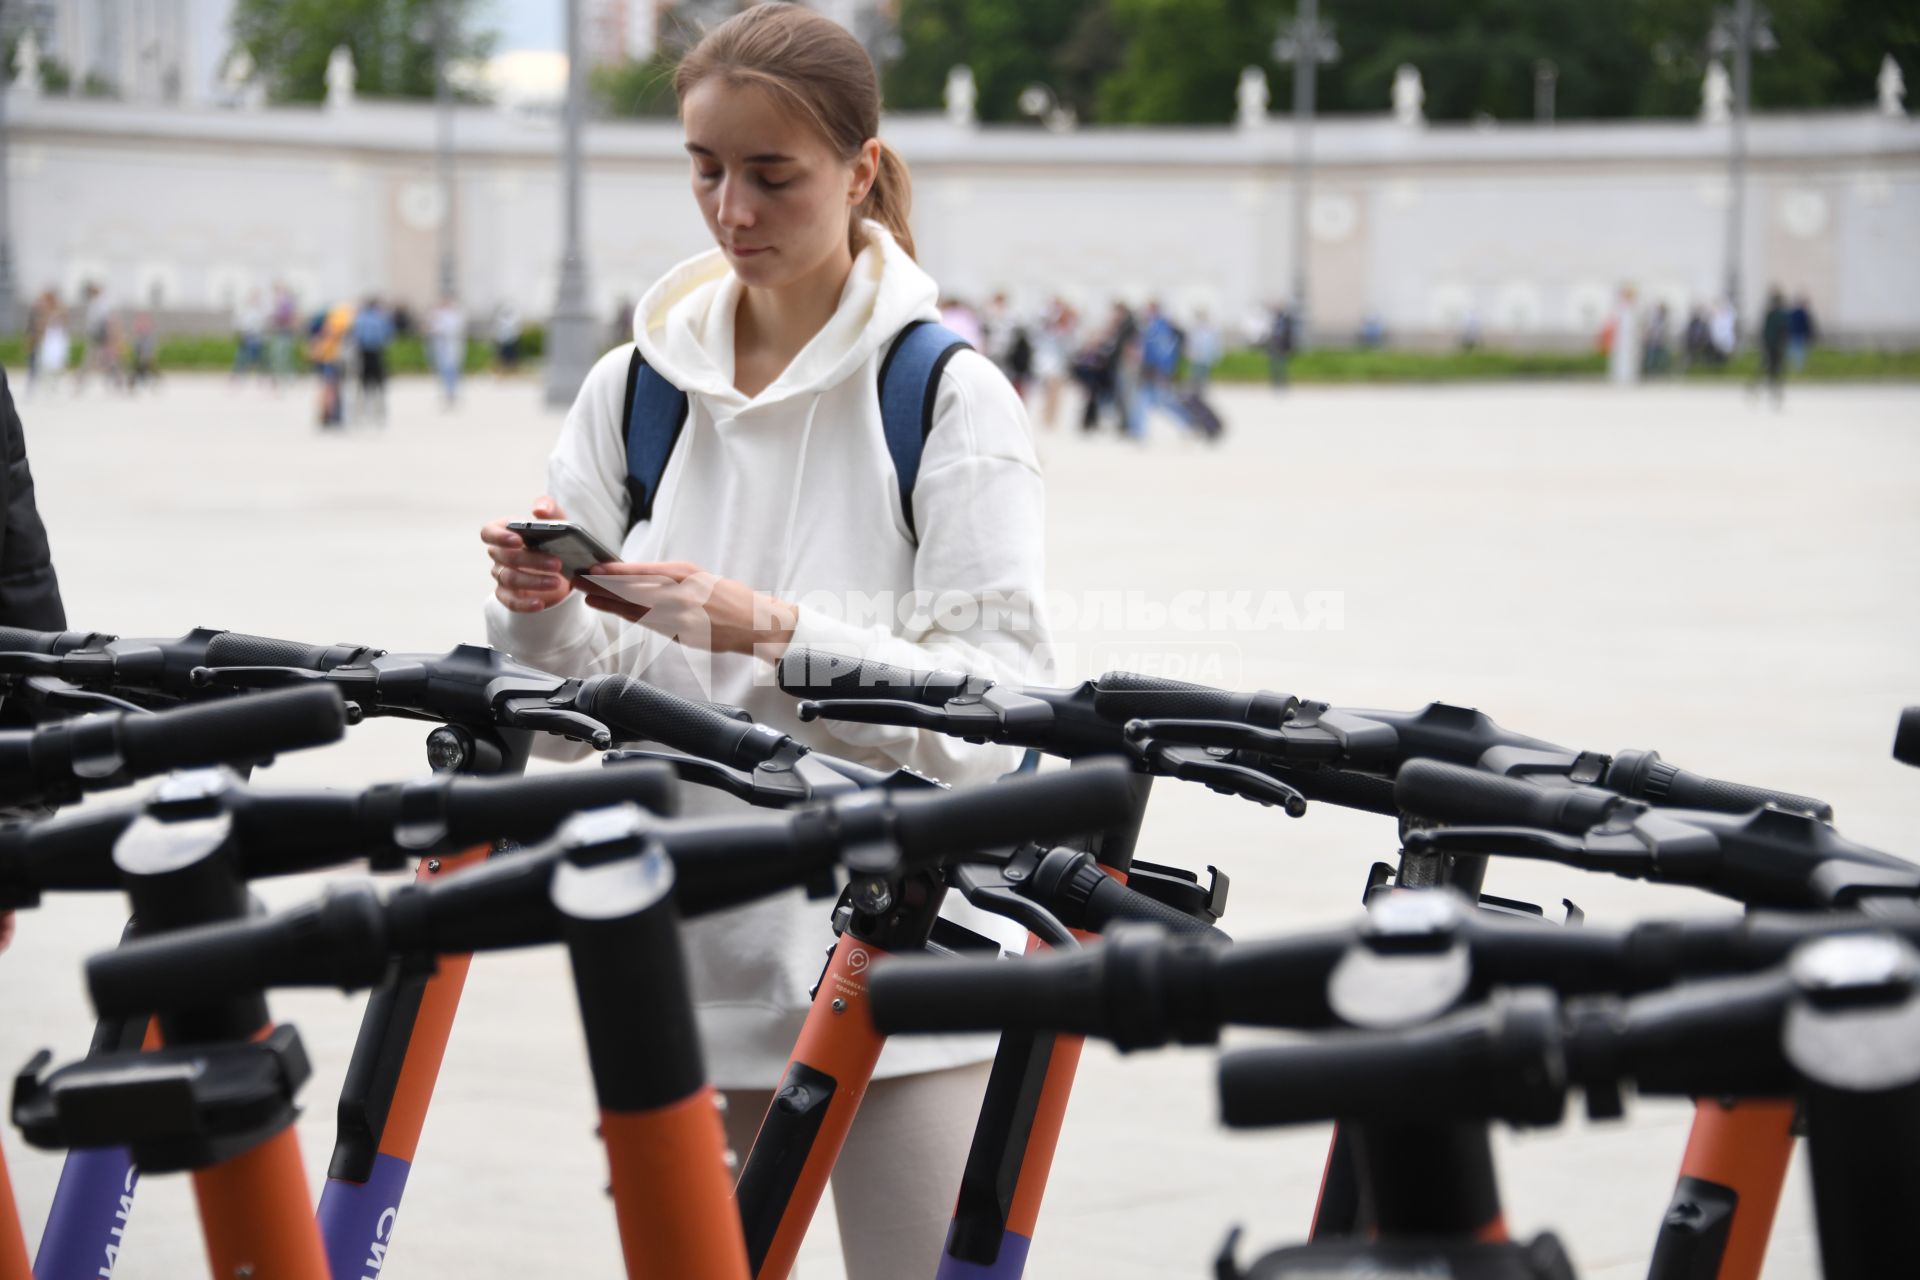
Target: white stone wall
pixel 1528 230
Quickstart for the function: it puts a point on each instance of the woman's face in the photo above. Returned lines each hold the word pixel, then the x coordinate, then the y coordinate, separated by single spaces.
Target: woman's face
pixel 776 197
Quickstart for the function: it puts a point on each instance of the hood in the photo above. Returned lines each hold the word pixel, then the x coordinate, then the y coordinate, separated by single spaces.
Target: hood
pixel 684 324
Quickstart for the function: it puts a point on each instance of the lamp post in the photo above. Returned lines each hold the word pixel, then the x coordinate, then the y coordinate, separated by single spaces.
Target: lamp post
pixel 9 305
pixel 1306 42
pixel 1739 30
pixel 570 330
pixel 443 147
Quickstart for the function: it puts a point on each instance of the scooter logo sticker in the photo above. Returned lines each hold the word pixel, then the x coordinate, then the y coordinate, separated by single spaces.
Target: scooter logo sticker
pixel 850 982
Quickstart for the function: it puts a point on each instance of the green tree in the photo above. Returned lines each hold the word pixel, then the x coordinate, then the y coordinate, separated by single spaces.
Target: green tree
pixel 1479 59
pixel 1183 58
pixel 290 42
pixel 1828 52
pixel 1177 61
pixel 1068 45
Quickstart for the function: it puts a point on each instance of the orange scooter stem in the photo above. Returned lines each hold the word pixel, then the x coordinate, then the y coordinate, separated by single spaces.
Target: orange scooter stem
pixel 1049 1116
pixel 1730 1182
pixel 834 1058
pixel 666 1148
pixel 13 1240
pixel 257 1216
pixel 432 1027
pixel 671 1191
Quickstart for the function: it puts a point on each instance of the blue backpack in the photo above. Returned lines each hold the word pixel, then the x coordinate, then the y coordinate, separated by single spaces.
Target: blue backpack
pixel 656 410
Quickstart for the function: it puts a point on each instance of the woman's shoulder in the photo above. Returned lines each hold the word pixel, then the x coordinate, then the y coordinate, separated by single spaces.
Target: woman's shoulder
pixel 602 397
pixel 976 411
pixel 610 372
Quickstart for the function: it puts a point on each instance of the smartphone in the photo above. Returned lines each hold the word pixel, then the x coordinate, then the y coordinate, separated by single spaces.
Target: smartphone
pixel 577 549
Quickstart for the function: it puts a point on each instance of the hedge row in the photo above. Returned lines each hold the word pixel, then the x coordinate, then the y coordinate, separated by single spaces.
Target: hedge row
pixel 408 355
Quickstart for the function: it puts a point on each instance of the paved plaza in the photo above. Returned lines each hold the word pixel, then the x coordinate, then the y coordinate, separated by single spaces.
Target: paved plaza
pixel 1676 568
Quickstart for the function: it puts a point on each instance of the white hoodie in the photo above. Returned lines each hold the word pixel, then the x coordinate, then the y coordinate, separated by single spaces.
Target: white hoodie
pixel 793 492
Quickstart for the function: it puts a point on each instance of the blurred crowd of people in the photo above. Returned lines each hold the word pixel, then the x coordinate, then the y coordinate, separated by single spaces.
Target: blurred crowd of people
pixel 1646 343
pixel 349 347
pixel 116 345
pixel 346 346
pixel 1129 366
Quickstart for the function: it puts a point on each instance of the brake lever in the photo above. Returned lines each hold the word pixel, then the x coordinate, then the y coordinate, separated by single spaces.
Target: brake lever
pixel 1219 775
pixel 1305 744
pixel 539 714
pixel 51 691
pixel 694 769
pixel 991 892
pixel 252 677
pixel 1207 733
pixel 912 715
pixel 24 663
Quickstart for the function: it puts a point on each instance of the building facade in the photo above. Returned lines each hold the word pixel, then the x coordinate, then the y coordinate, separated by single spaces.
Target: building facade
pixel 146 51
pixel 1522 232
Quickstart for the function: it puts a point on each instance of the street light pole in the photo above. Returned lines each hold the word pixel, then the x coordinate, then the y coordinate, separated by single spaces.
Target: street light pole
pixel 1306 42
pixel 570 331
pixel 9 305
pixel 1739 31
pixel 443 147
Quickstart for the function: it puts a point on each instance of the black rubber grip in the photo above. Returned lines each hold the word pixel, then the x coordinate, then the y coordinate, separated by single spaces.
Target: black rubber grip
pixel 1452 793
pixel 1906 738
pixel 1643 775
pixel 1697 791
pixel 235 649
pixel 1034 806
pixel 1139 989
pixel 524 809
pixel 815 673
pixel 20 640
pixel 1500 1061
pixel 1111 902
pixel 1063 993
pixel 635 710
pixel 233 730
pixel 1121 696
pixel 338 941
pixel 72 851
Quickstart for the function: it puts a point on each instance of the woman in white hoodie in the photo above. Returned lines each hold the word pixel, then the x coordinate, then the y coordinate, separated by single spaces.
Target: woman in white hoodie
pixel 779 522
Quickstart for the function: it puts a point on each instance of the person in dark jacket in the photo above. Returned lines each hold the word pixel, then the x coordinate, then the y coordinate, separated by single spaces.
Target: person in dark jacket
pixel 29 592
pixel 1773 349
pixel 1800 333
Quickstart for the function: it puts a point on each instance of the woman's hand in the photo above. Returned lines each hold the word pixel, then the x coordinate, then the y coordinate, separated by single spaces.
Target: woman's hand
pixel 525 580
pixel 699 609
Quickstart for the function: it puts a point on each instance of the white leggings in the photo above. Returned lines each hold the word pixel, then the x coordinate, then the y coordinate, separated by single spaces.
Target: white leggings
pixel 895 1183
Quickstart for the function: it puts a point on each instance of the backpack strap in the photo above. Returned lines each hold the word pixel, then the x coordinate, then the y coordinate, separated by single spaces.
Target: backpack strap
pixel 655 412
pixel 909 385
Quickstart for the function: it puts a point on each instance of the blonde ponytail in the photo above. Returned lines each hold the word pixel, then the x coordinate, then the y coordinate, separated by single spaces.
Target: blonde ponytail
pixel 889 200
